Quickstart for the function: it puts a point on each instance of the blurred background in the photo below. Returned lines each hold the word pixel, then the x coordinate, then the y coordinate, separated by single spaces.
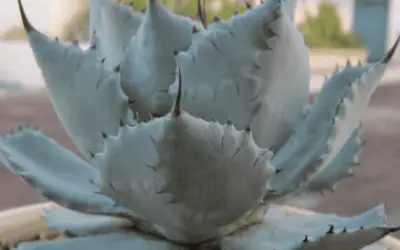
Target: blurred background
pixel 335 31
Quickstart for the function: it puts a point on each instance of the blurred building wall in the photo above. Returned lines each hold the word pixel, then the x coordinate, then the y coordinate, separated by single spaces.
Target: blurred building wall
pixel 346 11
pixel 393 22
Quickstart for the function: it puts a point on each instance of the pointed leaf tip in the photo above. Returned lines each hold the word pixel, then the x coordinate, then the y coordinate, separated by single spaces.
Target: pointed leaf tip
pixel 25 21
pixel 151 4
pixel 177 106
pixel 216 19
pixel 201 13
pixel 392 50
pixel 248 5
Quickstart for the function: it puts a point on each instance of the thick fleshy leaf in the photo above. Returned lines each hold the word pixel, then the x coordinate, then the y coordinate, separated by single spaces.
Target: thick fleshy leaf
pixel 53 171
pixel 290 7
pixel 95 7
pixel 212 92
pixel 338 168
pixel 234 72
pixel 113 26
pixel 86 96
pixel 118 241
pixel 326 128
pixel 282 231
pixel 356 239
pixel 149 65
pixel 81 224
pixel 187 176
pixel 253 27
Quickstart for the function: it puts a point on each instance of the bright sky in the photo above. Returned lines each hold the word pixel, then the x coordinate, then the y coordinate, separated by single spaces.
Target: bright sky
pixel 37 10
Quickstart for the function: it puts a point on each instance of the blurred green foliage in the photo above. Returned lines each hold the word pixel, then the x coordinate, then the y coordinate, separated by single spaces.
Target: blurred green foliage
pixel 325 29
pixel 77 27
pixel 189 7
pixel 321 31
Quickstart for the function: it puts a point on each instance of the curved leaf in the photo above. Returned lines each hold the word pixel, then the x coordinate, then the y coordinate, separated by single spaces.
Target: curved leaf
pixel 113 26
pixel 121 241
pixel 187 176
pixel 238 70
pixel 282 231
pixel 333 117
pixel 149 65
pixel 290 7
pixel 80 224
pixel 338 168
pixel 95 7
pixel 86 96
pixel 53 171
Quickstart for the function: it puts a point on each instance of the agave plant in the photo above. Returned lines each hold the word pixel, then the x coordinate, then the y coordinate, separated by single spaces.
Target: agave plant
pixel 192 133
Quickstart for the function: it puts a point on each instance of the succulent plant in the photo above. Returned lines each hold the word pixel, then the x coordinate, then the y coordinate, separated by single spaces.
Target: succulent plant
pixel 193 133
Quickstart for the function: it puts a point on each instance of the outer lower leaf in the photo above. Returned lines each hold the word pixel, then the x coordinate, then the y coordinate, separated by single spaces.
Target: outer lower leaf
pixel 281 231
pixel 149 66
pixel 322 134
pixel 121 241
pixel 55 172
pixel 235 71
pixel 80 224
pixel 114 25
pixel 87 97
pixel 188 176
pixel 348 241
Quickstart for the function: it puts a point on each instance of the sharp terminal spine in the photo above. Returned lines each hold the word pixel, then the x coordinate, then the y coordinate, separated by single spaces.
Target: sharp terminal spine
pixel 177 107
pixel 25 21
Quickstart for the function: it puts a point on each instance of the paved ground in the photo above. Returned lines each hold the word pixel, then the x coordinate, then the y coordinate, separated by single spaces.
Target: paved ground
pixel 378 178
pixel 26 109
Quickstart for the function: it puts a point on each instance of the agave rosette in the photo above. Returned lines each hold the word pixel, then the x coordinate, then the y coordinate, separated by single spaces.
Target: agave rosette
pixel 190 134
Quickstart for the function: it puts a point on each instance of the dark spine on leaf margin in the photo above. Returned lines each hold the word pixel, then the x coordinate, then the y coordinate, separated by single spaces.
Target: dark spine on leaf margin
pixel 25 21
pixel 177 107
